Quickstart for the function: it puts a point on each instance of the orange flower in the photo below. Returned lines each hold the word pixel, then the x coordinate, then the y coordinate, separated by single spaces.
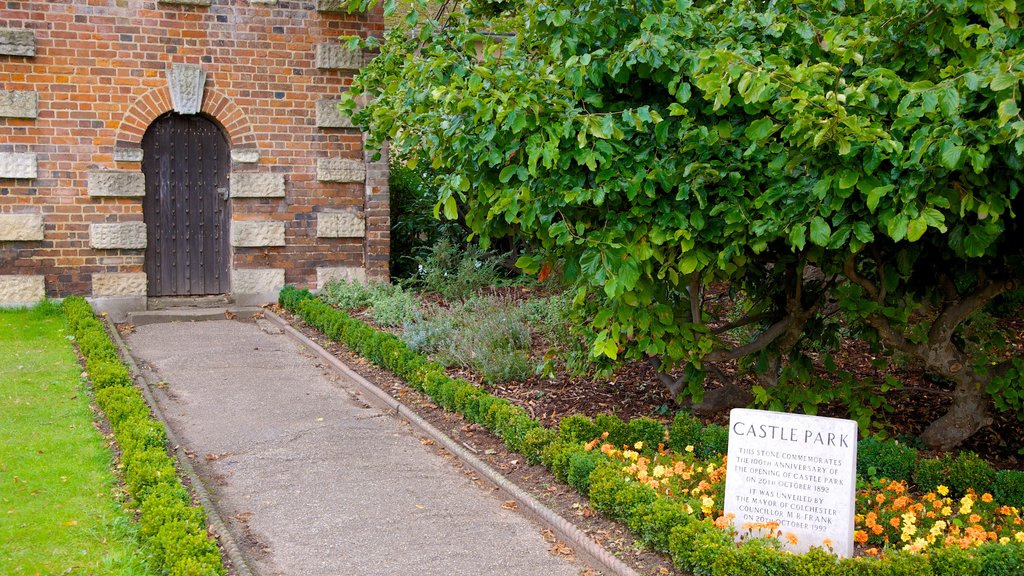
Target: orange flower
pixel 880 498
pixel 895 522
pixel 791 538
pixel 860 537
pixel 827 543
pixel 974 519
pixel 871 551
pixel 986 497
pixel 877 529
pixel 723 521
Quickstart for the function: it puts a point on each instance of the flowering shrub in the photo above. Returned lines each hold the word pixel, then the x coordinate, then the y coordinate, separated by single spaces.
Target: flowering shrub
pixel 890 517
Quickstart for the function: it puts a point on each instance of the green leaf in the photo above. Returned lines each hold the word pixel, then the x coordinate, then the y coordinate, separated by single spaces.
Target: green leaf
pixel 611 349
pixel 949 154
pixel 848 178
pixel 916 229
pixel 527 264
pixel 451 210
pixel 798 237
pixel 1002 81
pixel 863 232
pixel 1008 109
pixel 876 194
pixel 507 173
pixel 820 231
pixel 760 129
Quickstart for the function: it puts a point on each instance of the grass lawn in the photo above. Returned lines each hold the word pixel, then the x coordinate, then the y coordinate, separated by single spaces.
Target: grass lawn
pixel 58 508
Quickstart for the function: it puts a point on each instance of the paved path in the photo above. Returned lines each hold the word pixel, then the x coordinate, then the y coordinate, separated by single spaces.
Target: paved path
pixel 312 479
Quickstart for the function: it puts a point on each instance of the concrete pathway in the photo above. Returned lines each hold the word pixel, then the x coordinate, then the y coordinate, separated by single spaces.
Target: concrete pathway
pixel 314 481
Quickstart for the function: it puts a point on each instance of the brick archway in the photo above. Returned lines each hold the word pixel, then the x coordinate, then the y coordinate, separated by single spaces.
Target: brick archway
pixel 157 102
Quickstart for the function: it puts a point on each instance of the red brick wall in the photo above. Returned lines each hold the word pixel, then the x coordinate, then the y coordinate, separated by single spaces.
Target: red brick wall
pixel 100 71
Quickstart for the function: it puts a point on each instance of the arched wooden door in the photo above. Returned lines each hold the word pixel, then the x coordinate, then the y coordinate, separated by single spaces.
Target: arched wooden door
pixel 186 160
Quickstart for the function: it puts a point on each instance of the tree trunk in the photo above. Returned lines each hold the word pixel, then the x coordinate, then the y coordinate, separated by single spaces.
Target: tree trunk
pixel 969 413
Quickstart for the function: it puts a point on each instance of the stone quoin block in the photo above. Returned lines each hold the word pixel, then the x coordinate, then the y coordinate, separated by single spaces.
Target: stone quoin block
pixel 186 83
pixel 335 56
pixel 124 235
pixel 340 170
pixel 257 281
pixel 257 233
pixel 340 225
pixel 117 183
pixel 187 2
pixel 127 284
pixel 18 165
pixel 14 42
pixel 122 154
pixel 257 185
pixel 245 155
pixel 21 290
pixel 21 227
pixel 349 273
pixel 19 104
pixel 328 115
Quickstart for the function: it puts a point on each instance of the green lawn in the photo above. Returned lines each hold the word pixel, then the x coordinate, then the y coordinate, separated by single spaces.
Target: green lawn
pixel 58 508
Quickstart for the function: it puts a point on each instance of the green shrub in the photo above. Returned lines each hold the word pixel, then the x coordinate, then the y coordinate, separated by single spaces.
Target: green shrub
pixel 455 271
pixel 816 562
pixel 714 441
pixel 481 334
pixel 1001 559
pixel 646 430
pixel 581 464
pixel 618 431
pixel 758 557
pixel 1009 488
pixel 106 373
pixel 932 472
pixel 535 442
pixel 393 307
pixel 885 459
pixel 655 521
pixel 577 428
pixel 967 471
pixel 954 561
pixel 347 295
pixel 695 546
pixel 685 431
pixel 94 345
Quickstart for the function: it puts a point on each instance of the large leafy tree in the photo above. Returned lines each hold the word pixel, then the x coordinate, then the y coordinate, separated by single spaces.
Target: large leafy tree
pixel 828 159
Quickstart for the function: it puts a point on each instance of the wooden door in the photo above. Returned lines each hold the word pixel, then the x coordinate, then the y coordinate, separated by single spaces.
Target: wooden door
pixel 186 160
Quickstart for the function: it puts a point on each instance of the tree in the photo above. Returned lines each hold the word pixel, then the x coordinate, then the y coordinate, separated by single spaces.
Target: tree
pixel 828 159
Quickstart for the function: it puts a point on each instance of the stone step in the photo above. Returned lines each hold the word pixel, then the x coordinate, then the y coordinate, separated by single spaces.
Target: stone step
pixel 193 315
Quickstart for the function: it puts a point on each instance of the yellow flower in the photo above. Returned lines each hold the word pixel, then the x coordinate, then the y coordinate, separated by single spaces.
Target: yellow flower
pixel 659 471
pixel 942 490
pixel 946 511
pixel 1019 536
pixel 689 448
pixel 1004 540
pixel 639 445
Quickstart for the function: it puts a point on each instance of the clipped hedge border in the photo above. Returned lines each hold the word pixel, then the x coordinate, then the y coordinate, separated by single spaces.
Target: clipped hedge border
pixel 695 545
pixel 171 526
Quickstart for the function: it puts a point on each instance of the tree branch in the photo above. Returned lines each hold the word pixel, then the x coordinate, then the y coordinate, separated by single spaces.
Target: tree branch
pixel 760 343
pixel 850 269
pixel 746 320
pixel 956 312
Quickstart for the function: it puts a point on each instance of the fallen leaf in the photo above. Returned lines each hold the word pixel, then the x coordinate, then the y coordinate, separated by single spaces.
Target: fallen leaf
pixel 421 506
pixel 70 523
pixel 549 536
pixel 510 505
pixel 426 441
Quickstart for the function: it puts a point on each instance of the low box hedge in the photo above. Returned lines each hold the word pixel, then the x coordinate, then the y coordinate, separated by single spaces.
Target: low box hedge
pixel 172 527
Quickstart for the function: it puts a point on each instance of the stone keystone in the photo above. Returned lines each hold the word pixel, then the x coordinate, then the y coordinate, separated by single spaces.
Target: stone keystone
pixel 186 83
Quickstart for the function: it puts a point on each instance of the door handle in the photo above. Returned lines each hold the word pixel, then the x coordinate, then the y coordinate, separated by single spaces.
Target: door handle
pixel 224 192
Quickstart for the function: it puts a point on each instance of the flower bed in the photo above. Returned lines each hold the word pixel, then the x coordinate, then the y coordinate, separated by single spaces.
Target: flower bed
pixel 173 528
pixel 672 498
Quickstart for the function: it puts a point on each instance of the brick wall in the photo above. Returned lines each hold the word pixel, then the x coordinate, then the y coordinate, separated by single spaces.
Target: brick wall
pixel 80 82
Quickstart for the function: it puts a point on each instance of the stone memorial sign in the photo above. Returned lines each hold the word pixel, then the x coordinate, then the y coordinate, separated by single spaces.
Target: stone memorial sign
pixel 797 470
